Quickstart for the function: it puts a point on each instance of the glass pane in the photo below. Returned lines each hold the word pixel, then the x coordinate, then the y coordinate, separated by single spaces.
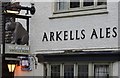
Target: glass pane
pixel 61 5
pixel 55 71
pixel 83 71
pixel 88 3
pixel 102 2
pixel 101 71
pixel 74 3
pixel 68 71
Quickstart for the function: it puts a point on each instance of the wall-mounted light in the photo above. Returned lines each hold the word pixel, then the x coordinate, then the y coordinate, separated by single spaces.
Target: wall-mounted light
pixel 11 67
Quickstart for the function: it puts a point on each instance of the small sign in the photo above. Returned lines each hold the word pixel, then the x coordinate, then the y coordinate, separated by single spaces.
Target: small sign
pixel 25 63
pixel 13 48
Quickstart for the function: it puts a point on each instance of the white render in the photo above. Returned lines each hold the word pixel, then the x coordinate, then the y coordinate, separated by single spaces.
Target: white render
pixel 116 69
pixel 41 23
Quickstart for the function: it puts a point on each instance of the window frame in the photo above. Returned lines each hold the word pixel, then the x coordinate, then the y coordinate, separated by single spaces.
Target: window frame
pixel 81 8
pixel 109 67
pixel 91 69
pixel 87 68
pixel 75 12
pixel 71 65
pixel 51 69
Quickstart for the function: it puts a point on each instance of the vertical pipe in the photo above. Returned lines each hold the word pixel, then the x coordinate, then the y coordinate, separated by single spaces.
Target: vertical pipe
pixel 3 44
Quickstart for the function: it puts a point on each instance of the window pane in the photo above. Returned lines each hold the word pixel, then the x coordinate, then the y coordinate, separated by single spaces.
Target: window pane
pixel 55 71
pixel 88 3
pixel 74 3
pixel 101 71
pixel 62 5
pixel 102 2
pixel 68 71
pixel 82 71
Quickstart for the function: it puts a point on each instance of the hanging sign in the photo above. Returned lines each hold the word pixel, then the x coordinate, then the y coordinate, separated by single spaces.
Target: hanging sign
pixel 25 64
pixel 12 48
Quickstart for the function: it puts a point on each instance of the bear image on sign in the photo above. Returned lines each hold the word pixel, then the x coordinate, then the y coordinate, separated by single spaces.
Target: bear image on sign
pixel 20 35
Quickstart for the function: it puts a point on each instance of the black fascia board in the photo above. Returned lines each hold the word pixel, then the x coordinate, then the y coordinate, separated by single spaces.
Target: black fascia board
pixel 80 56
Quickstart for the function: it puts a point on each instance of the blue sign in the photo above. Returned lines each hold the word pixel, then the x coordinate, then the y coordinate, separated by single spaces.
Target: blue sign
pixel 25 64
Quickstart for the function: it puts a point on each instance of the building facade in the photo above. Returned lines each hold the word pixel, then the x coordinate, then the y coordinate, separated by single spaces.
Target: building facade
pixel 76 39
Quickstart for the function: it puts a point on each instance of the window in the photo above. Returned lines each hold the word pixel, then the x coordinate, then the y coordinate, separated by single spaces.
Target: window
pixel 73 8
pixel 55 71
pixel 68 71
pixel 74 3
pixel 78 70
pixel 101 71
pixel 103 2
pixel 82 71
pixel 63 5
pixel 88 3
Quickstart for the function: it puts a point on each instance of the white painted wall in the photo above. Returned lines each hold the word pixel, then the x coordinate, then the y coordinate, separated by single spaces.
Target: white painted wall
pixel 41 23
pixel 119 69
pixel 115 68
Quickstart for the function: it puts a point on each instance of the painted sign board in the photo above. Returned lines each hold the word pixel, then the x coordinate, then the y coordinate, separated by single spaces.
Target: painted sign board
pixel 18 49
pixel 80 39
